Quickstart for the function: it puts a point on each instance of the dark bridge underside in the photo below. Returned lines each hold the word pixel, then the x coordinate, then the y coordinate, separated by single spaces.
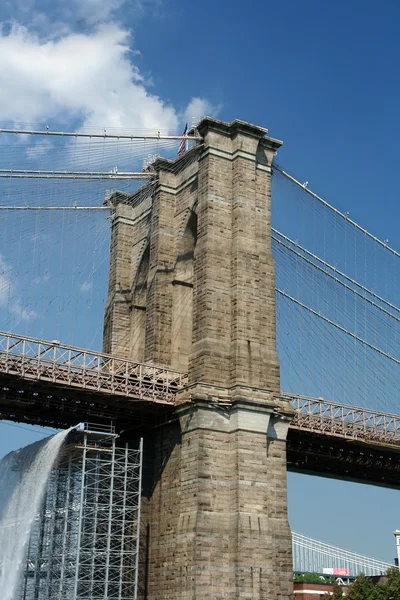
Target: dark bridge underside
pixel 338 458
pixel 46 403
pixel 42 403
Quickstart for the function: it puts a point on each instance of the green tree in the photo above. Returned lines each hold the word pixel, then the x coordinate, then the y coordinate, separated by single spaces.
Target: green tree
pixel 307 578
pixel 313 578
pixel 364 588
pixel 337 593
pixel 392 587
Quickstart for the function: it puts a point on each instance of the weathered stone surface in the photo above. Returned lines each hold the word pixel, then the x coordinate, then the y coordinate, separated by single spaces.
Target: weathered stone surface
pixel 192 286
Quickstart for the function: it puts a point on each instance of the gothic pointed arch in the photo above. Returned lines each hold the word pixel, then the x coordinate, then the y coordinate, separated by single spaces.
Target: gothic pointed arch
pixel 138 308
pixel 182 296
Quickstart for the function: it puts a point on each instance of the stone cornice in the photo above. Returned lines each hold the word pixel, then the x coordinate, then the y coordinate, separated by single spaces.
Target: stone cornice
pixel 144 192
pixel 235 128
pixel 231 156
pixel 172 190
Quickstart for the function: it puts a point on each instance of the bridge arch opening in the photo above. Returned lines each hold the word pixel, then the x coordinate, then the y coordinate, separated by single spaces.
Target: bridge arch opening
pixel 138 314
pixel 182 296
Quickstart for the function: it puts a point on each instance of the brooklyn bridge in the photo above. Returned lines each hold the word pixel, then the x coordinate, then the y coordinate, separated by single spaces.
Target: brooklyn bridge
pixel 250 328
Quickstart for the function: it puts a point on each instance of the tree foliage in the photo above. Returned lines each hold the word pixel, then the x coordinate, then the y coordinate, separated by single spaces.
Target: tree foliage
pixel 337 593
pixel 313 578
pixel 367 588
pixel 393 584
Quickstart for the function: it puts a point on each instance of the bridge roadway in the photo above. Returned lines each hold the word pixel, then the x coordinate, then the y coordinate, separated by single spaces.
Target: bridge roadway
pixel 47 383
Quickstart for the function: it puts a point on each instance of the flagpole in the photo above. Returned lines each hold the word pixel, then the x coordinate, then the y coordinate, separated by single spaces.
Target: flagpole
pixel 184 145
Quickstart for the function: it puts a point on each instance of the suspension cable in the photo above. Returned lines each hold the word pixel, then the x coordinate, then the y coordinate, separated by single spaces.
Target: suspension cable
pixel 157 136
pixel 339 327
pixel 36 174
pixel 336 211
pixel 72 207
pixel 336 279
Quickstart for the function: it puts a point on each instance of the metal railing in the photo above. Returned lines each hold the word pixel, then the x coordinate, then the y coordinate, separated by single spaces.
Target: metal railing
pixel 317 415
pixel 57 363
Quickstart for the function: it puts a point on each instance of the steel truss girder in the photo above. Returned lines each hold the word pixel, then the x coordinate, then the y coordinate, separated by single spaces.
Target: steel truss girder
pixel 339 458
pixel 40 360
pixel 317 415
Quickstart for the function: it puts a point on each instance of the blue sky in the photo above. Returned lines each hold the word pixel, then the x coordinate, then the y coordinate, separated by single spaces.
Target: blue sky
pixel 321 75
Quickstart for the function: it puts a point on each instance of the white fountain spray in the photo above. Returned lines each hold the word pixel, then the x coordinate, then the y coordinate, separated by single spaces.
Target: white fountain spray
pixel 20 511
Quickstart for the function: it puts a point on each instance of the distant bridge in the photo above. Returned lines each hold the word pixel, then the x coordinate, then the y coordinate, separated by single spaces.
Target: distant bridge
pixel 313 556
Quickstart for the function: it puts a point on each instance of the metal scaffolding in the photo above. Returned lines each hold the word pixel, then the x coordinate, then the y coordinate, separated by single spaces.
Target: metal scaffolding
pixel 85 541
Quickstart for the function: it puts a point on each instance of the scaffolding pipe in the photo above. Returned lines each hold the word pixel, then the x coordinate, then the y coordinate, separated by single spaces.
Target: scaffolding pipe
pixel 78 553
pixel 65 528
pixel 96 509
pixel 51 545
pixel 110 511
pixel 121 568
pixel 138 517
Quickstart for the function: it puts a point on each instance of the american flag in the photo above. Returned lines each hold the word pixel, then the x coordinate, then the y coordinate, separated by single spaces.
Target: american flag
pixel 183 145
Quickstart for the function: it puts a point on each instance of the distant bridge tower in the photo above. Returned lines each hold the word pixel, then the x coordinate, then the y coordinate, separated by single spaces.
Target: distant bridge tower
pixel 192 286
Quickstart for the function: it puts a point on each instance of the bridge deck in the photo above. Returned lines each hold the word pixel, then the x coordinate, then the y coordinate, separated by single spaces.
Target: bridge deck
pixel 67 366
pixel 56 385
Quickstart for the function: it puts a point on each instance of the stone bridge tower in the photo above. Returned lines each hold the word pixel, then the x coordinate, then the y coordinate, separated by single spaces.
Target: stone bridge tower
pixel 192 286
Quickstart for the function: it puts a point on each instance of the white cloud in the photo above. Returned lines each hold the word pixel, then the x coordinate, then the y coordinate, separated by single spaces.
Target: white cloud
pixel 198 108
pixel 96 11
pixel 39 149
pixel 86 286
pixel 87 77
pixel 5 282
pixel 40 279
pixel 53 17
pixel 102 11
pixel 22 313
pixel 41 236
pixel 9 298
